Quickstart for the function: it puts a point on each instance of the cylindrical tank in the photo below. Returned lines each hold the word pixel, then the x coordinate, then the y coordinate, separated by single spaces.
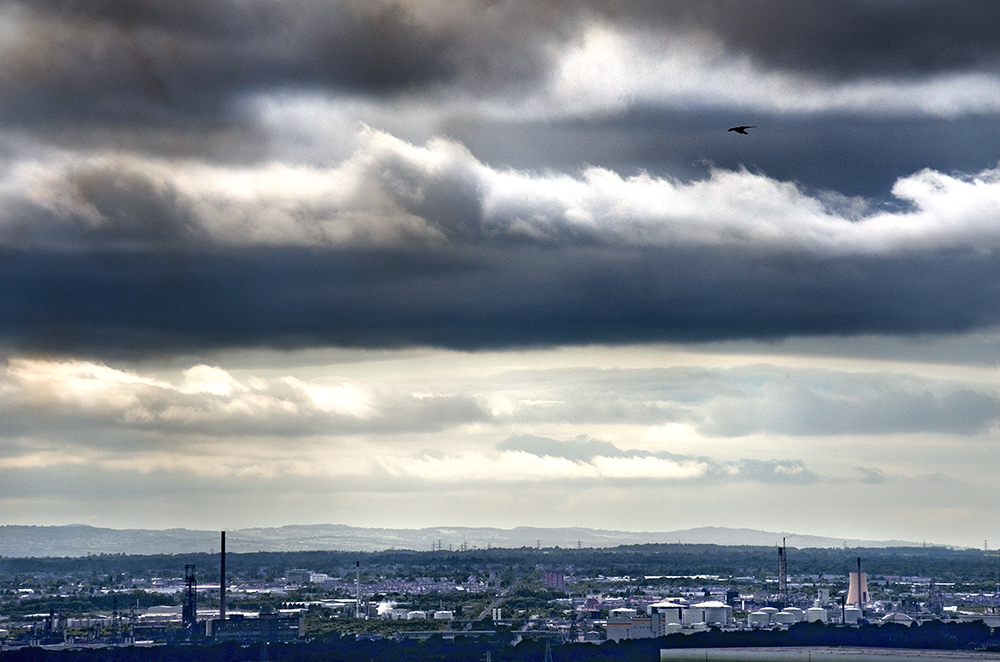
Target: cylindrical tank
pixel 758 619
pixel 768 610
pixel 852 615
pixel 717 615
pixel 673 627
pixel 783 618
pixel 798 613
pixel 816 614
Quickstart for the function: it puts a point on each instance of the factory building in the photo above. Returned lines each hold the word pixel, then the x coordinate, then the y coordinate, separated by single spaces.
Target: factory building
pixel 265 628
pixel 663 618
pixel 627 624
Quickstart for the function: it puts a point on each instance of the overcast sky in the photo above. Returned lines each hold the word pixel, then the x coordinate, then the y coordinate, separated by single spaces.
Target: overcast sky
pixel 499 262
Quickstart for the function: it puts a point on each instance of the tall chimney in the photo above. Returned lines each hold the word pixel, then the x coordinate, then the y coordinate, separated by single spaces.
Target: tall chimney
pixel 782 571
pixel 222 581
pixel 862 587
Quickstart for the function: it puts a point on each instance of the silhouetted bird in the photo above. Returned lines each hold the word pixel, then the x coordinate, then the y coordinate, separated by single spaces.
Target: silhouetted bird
pixel 743 129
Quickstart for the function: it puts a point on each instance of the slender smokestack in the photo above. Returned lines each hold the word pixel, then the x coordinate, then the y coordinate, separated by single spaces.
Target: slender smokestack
pixel 222 581
pixel 860 584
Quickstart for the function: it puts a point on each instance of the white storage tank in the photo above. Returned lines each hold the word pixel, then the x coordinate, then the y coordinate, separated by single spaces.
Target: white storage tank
pixel 671 628
pixel 758 619
pixel 715 612
pixel 852 615
pixel 783 618
pixel 814 614
pixel 798 613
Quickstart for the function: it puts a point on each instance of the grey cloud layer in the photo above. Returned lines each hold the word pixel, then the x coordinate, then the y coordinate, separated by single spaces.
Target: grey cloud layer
pixel 754 400
pixel 843 39
pixel 118 254
pixel 194 63
pixel 102 61
pixel 148 304
pixel 403 245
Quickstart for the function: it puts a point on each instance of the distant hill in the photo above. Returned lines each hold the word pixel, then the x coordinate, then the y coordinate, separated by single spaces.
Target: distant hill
pixel 81 540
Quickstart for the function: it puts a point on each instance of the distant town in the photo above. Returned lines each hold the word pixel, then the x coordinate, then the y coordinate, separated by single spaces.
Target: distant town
pixel 557 595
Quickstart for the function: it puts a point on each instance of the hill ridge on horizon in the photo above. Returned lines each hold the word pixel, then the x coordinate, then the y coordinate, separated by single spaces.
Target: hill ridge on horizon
pixel 82 539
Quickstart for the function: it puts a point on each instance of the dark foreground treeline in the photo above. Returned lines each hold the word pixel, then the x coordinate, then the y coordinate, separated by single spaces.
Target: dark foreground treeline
pixel 932 635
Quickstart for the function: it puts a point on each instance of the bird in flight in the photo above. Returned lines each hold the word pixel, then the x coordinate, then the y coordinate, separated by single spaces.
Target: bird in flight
pixel 743 129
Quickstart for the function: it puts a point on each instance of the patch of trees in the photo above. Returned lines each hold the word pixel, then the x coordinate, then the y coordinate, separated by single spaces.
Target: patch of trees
pixel 936 635
pixel 80 605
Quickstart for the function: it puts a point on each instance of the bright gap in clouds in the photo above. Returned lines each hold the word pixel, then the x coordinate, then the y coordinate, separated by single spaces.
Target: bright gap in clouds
pixel 590 429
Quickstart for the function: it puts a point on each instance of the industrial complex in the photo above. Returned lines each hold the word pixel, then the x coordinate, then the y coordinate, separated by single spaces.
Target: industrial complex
pixel 303 603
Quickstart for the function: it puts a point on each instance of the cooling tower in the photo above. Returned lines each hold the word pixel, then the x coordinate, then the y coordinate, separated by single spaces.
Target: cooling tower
pixel 858 591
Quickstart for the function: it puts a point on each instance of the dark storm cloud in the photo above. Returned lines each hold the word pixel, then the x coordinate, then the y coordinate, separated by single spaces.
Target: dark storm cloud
pixel 140 303
pixel 192 64
pixel 839 39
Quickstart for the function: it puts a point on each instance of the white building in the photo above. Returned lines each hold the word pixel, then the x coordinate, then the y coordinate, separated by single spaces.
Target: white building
pixel 626 624
pixel 710 613
pixel 852 615
pixel 663 618
pixel 816 614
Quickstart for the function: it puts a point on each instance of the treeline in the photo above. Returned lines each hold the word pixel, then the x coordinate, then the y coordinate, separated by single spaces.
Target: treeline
pixel 89 604
pixel 932 635
pixel 508 565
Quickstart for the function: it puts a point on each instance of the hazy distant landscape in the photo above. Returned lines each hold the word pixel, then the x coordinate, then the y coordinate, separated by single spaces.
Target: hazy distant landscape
pixel 81 540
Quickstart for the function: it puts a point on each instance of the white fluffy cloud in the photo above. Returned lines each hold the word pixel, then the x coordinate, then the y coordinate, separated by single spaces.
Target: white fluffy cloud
pixel 391 192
